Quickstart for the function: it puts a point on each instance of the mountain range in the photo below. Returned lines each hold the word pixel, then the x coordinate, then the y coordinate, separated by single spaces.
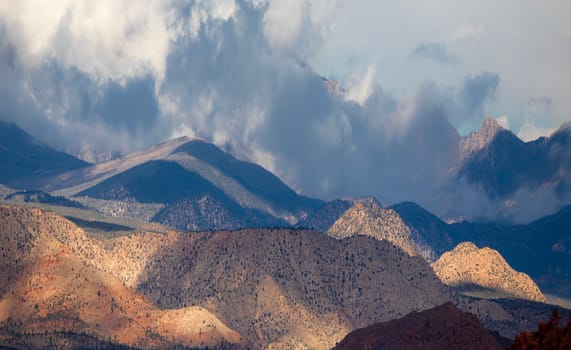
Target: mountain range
pixel 184 233
pixel 495 175
pixel 253 288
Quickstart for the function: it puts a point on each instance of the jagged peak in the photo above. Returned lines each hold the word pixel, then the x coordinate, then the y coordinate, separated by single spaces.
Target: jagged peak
pixel 478 139
pixel 490 124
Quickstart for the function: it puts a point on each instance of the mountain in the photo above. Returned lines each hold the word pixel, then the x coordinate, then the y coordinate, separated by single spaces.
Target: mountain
pixel 471 269
pixel 442 327
pixel 428 232
pixel 25 162
pixel 368 218
pixel 515 172
pixel 253 288
pixel 188 185
pixel 541 249
pixel 477 140
pixel 51 298
pixel 273 287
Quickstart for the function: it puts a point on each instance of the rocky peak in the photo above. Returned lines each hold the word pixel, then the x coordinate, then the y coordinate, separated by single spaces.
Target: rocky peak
pixel 480 138
pixel 368 218
pixel 466 265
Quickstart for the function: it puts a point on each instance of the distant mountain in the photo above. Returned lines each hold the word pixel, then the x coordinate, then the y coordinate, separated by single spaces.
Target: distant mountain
pixel 499 162
pixel 189 185
pixel 479 139
pixel 26 162
pixel 442 327
pixel 368 218
pixel 475 270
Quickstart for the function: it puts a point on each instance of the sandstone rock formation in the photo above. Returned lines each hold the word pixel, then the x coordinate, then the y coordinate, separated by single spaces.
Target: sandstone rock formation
pixel 466 265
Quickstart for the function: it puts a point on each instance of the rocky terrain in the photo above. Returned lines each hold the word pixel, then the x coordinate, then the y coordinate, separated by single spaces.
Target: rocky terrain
pixel 280 287
pixel 442 327
pixel 51 297
pixel 368 218
pixel 258 288
pixel 274 287
pixel 468 267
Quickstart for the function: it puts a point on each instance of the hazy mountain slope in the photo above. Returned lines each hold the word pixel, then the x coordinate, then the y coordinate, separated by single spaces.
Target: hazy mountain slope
pixel 442 327
pixel 428 232
pixel 368 218
pixel 506 164
pixel 190 201
pixel 46 288
pixel 73 182
pixel 467 267
pixel 258 180
pixel 156 181
pixel 179 176
pixel 24 161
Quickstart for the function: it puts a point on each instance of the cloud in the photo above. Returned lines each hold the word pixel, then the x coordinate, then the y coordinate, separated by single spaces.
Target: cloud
pixel 531 132
pixel 537 113
pixel 476 91
pixel 97 79
pixel 435 52
pixel 504 122
pixel 466 32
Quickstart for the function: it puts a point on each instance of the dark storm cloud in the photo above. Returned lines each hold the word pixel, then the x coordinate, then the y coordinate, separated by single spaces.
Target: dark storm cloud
pixel 131 106
pixel 435 52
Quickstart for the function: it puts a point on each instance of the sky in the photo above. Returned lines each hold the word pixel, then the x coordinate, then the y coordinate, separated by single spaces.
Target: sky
pixel 99 79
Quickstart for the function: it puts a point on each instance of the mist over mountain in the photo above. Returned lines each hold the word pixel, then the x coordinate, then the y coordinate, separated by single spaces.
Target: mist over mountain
pixel 234 74
pixel 267 174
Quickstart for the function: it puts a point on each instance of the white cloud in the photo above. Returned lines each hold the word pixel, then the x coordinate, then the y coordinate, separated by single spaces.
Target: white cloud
pixel 466 32
pixel 531 132
pixel 360 88
pixel 296 24
pixel 107 39
pixel 504 122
